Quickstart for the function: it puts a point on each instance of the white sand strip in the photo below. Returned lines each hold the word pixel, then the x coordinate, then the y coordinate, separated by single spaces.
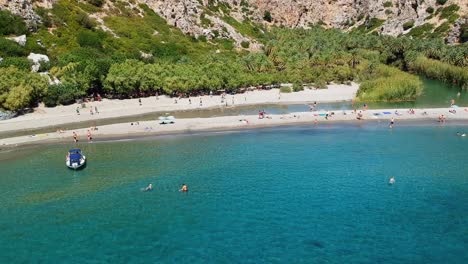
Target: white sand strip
pixel 123 130
pixel 45 116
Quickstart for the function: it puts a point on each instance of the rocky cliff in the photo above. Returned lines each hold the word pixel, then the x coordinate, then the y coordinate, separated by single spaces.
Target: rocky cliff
pixel 218 18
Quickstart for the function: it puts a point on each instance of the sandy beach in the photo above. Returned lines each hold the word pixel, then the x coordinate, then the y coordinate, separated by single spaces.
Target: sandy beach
pixel 45 116
pixel 315 118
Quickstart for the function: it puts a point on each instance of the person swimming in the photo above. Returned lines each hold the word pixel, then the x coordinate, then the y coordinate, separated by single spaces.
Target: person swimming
pixel 184 188
pixel 391 181
pixel 148 188
pixel 461 134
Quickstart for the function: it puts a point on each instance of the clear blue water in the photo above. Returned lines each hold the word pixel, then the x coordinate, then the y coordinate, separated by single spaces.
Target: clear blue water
pixel 283 195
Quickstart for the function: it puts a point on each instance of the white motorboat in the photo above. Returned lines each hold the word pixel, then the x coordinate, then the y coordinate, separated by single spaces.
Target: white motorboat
pixel 75 159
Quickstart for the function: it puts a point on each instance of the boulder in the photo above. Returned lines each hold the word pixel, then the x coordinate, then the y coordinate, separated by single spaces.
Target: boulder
pixel 21 40
pixel 37 59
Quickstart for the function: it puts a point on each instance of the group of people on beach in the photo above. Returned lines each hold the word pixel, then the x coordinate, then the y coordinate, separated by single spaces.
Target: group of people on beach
pixel 148 188
pixel 88 135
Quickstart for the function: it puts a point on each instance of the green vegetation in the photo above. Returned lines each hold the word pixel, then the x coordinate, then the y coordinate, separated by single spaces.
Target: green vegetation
pixel 430 10
pixel 407 25
pixel 389 84
pixel 388 4
pixel 11 24
pixel 20 89
pixel 450 13
pixel 441 2
pixel 267 16
pixel 88 60
pixel 421 31
pixel 370 24
pixel 440 70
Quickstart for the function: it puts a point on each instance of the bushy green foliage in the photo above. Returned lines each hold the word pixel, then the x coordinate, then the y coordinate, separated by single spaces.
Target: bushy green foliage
pixel 245 44
pixel 285 89
pixel 11 48
pixel 267 16
pixel 97 3
pixel 421 31
pixel 407 25
pixel 11 24
pixel 440 70
pixel 390 84
pixel 450 13
pixel 370 24
pixel 62 94
pixel 18 62
pixel 430 10
pixel 388 4
pixel 88 60
pixel 441 2
pixel 20 89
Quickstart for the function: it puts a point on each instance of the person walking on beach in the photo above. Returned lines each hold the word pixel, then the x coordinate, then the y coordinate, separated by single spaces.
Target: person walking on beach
pixel 75 137
pixel 201 102
pixel 392 122
pixel 90 138
pixel 139 101
pixel 91 110
pixel 452 102
pixel 96 110
pixel 78 110
pixel 190 101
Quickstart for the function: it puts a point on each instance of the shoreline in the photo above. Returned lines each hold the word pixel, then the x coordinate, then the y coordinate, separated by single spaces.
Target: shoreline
pixel 149 129
pixel 43 117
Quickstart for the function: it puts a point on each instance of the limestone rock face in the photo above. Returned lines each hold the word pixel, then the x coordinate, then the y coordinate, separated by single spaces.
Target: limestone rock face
pixel 23 8
pixel 209 18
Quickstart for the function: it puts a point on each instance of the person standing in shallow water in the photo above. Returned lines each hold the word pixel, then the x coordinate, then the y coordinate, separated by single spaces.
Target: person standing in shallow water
pixel 75 137
pixel 392 122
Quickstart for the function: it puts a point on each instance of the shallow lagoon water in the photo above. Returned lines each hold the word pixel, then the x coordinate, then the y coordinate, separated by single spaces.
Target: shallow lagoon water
pixel 282 195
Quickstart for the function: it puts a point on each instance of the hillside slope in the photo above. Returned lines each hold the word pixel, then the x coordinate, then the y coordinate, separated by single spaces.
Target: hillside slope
pixel 242 20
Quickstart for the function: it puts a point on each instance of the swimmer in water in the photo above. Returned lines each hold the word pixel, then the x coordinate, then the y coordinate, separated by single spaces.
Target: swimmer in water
pixel 391 181
pixel 392 122
pixel 148 188
pixel 183 188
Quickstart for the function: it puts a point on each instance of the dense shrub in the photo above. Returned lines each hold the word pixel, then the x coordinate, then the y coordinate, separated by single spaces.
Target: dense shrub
pixel 11 48
pixel 440 70
pixel 388 4
pixel 62 94
pixel 441 2
pixel 18 62
pixel 285 89
pixel 430 10
pixel 390 84
pixel 11 24
pixel 408 25
pixel 267 16
pixel 245 44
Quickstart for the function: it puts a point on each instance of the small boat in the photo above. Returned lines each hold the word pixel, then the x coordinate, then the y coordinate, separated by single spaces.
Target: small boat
pixel 163 120
pixel 75 159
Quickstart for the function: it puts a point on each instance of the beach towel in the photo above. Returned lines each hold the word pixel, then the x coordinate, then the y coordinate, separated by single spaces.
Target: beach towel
pixel 322 114
pixel 376 114
pixel 387 113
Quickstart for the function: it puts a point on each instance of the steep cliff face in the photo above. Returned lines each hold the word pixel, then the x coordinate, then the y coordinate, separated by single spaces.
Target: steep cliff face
pixel 346 14
pixel 218 18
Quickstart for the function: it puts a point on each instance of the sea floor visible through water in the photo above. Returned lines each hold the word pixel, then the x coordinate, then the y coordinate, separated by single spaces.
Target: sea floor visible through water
pixel 279 195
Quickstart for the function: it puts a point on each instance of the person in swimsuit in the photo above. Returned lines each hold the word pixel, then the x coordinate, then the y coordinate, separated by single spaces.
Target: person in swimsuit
pixel 183 188
pixel 392 122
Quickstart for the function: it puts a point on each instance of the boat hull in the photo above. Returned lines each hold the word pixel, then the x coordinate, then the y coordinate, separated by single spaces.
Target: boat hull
pixel 76 165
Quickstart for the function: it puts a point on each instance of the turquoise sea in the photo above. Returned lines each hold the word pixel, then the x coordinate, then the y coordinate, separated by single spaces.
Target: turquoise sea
pixel 281 195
